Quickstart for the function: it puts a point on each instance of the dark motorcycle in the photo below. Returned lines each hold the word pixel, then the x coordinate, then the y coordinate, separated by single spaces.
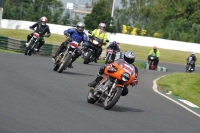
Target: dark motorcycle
pixel 33 43
pixel 93 45
pixel 190 64
pixel 151 62
pixel 110 57
pixel 65 57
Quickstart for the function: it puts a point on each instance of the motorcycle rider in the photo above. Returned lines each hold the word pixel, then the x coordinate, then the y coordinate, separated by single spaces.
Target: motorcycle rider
pixel 42 27
pixel 114 47
pixel 193 58
pixel 100 33
pixel 77 34
pixel 155 52
pixel 128 60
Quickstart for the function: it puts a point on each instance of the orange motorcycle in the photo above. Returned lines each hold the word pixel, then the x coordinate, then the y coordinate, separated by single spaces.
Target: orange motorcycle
pixel 108 91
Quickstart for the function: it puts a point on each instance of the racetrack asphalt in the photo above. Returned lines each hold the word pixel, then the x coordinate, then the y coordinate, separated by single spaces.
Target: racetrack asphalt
pixel 36 99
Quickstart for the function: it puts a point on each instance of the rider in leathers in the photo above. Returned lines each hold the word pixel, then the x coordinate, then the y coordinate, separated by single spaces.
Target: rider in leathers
pixel 40 27
pixel 113 47
pixel 100 33
pixel 193 58
pixel 127 62
pixel 77 35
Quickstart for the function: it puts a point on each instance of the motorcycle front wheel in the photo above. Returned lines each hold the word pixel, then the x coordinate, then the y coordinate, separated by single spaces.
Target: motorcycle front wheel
pixel 113 99
pixel 65 63
pixel 90 97
pixel 107 59
pixel 87 58
pixel 28 49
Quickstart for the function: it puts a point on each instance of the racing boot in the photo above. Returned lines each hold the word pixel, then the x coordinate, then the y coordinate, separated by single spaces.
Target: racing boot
pixel 96 81
pixel 57 53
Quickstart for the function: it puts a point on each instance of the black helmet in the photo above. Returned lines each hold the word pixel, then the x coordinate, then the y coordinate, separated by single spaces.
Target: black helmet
pixel 80 26
pixel 129 57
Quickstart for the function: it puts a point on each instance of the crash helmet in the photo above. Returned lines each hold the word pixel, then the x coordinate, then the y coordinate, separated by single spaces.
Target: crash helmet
pixel 129 57
pixel 43 20
pixel 102 26
pixel 114 43
pixel 80 26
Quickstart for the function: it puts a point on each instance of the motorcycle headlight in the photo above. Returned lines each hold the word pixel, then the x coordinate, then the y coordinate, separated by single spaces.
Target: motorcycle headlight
pixel 151 58
pixel 125 77
pixel 95 42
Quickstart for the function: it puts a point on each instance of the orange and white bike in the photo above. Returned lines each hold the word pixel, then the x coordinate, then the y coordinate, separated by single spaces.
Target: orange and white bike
pixel 109 89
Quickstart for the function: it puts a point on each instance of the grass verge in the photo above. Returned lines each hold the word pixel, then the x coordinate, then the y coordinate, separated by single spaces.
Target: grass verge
pixel 141 52
pixel 184 85
pixel 8 51
pixel 22 35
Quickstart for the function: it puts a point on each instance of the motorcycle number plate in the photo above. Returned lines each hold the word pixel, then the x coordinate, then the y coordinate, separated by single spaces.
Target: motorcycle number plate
pixel 86 53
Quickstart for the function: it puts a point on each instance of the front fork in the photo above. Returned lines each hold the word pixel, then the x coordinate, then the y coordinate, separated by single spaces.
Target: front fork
pixel 114 86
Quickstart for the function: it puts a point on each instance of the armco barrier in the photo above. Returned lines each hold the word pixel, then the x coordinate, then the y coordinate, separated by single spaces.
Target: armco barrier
pixel 121 38
pixel 3 42
pixel 18 46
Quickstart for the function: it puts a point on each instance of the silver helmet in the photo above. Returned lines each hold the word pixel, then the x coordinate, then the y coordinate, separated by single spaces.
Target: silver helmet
pixel 80 26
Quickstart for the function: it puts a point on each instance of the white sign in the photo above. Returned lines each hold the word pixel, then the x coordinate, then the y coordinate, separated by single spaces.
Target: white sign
pixel 70 5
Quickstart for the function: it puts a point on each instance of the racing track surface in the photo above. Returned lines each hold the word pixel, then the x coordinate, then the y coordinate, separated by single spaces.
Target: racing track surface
pixel 35 99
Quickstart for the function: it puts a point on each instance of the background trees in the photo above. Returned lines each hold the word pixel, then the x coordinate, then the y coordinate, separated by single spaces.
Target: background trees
pixel 168 19
pixel 100 13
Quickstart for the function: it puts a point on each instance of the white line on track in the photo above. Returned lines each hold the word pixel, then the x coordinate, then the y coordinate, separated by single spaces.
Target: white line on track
pixel 156 90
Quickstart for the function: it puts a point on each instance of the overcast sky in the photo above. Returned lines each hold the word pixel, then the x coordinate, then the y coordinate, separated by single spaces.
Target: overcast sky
pixel 83 2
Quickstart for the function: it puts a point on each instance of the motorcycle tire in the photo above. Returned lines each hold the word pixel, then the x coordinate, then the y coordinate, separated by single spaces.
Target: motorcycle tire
pixel 110 102
pixel 28 50
pixel 107 59
pixel 87 58
pixel 65 63
pixel 150 64
pixel 187 68
pixel 90 96
pixel 56 67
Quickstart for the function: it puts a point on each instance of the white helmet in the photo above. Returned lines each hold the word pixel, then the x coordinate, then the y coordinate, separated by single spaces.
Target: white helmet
pixel 129 57
pixel 193 53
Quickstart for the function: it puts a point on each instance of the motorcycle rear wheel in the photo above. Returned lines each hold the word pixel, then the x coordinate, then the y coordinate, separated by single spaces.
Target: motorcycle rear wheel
pixel 110 102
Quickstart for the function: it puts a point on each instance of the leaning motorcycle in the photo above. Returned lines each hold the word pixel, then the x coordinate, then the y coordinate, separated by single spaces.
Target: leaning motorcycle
pixel 189 66
pixel 65 57
pixel 151 62
pixel 110 88
pixel 110 57
pixel 93 45
pixel 33 43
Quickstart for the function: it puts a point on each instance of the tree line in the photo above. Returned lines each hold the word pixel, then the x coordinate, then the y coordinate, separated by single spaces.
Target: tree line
pixel 168 19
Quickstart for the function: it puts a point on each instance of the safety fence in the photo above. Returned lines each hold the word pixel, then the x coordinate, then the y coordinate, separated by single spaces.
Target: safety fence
pixel 16 45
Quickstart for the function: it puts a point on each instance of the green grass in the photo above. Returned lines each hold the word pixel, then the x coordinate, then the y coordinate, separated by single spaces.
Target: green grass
pixel 141 52
pixel 22 35
pixel 8 51
pixel 184 85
